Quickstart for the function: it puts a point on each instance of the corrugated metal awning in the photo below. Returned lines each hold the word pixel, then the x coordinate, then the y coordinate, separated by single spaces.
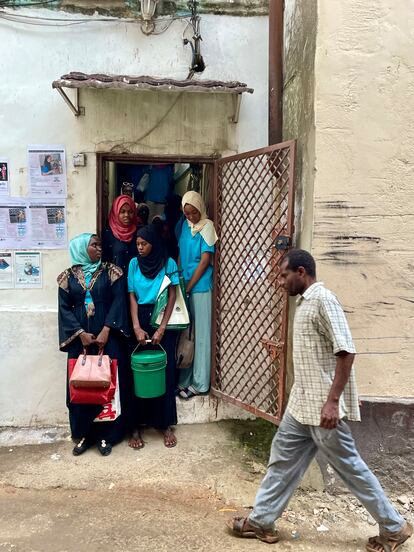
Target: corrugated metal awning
pixel 126 82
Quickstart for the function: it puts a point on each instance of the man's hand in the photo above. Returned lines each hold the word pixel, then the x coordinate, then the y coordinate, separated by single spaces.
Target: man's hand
pixel 330 415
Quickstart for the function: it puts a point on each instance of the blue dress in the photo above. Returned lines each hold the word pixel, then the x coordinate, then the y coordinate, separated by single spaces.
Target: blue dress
pixel 160 412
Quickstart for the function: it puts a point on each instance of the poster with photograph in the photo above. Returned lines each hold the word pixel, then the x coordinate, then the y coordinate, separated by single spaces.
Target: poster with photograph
pixel 4 177
pixel 47 171
pixel 6 270
pixel 48 228
pixel 14 226
pixel 27 269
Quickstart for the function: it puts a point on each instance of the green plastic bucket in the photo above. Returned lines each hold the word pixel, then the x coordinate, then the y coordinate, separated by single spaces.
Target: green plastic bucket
pixel 148 368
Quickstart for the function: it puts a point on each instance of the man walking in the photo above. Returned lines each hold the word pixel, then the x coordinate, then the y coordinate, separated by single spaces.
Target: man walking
pixel 323 395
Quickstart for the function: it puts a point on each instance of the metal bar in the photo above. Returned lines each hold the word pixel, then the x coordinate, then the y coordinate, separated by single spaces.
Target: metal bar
pixel 285 315
pixel 214 322
pixel 236 104
pixel 275 71
pixel 76 110
pixel 252 409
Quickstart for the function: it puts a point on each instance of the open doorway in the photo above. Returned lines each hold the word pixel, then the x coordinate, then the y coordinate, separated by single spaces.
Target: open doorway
pixel 159 182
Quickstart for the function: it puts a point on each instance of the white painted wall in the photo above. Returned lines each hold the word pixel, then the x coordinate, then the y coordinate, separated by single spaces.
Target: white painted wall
pixel 234 48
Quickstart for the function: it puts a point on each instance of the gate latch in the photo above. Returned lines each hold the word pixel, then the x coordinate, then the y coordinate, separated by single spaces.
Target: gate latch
pixel 282 243
pixel 274 349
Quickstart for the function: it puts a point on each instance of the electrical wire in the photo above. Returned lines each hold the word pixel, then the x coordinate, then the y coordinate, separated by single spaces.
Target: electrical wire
pixel 63 22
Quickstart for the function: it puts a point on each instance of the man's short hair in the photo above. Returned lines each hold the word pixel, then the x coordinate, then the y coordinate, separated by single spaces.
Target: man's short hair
pixel 300 257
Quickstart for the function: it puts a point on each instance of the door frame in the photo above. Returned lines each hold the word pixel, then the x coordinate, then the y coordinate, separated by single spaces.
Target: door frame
pixel 143 159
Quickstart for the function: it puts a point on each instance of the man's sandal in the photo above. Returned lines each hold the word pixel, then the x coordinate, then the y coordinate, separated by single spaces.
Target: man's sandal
pixel 241 527
pixel 389 542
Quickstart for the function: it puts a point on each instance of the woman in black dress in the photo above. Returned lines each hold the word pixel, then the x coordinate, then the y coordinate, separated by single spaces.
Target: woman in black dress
pixel 145 276
pixel 93 314
pixel 119 239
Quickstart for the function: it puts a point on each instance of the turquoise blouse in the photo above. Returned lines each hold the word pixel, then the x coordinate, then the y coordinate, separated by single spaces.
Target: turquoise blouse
pixel 191 249
pixel 146 290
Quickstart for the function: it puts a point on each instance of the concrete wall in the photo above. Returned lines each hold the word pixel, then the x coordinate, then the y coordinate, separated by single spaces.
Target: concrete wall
pixel 351 104
pixel 363 216
pixel 32 113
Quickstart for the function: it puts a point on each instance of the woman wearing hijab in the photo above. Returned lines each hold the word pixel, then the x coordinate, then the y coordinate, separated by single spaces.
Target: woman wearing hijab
pixel 119 239
pixel 145 276
pixel 92 315
pixel 196 237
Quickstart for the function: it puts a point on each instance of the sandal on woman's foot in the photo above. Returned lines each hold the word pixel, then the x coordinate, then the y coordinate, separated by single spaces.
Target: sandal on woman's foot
pixel 182 393
pixel 136 441
pixel 187 393
pixel 170 440
pixel 104 448
pixel 389 542
pixel 80 448
pixel 241 527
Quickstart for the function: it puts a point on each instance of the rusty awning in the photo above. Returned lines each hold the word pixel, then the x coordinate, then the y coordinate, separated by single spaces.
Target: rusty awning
pixel 78 80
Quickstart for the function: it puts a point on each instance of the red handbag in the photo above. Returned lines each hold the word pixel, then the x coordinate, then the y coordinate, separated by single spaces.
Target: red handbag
pixel 92 395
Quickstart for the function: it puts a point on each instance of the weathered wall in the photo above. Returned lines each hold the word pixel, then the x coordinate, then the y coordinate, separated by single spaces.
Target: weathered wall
pixel 363 215
pixel 32 113
pixel 298 117
pixel 298 105
pixel 127 8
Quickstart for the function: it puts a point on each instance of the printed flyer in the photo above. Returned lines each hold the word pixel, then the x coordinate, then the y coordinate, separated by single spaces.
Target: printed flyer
pixel 27 269
pixel 47 171
pixel 6 270
pixel 4 177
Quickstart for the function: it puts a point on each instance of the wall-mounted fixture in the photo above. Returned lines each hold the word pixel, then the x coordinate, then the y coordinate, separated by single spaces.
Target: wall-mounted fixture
pixel 147 13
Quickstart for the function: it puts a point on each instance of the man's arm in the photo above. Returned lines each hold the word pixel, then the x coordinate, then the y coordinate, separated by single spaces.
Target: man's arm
pixel 330 410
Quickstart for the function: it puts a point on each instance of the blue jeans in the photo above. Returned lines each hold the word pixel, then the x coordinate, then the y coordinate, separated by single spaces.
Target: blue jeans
pixel 293 448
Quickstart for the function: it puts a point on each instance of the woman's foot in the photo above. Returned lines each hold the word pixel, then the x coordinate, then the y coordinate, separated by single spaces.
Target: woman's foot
pixel 136 441
pixel 104 448
pixel 170 440
pixel 81 447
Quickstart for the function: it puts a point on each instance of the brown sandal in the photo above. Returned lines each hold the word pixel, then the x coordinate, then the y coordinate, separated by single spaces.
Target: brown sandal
pixel 389 542
pixel 241 527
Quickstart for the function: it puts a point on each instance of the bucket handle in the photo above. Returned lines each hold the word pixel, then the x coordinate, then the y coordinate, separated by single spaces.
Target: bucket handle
pixel 148 341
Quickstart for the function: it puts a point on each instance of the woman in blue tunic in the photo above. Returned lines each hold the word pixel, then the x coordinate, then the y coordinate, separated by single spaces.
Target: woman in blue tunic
pixel 145 276
pixel 196 238
pixel 93 314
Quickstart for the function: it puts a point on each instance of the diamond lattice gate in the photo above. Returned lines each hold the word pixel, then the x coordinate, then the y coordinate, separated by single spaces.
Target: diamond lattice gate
pixel 254 216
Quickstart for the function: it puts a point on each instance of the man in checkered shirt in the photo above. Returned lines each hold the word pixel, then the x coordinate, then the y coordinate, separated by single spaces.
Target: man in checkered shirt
pixel 324 394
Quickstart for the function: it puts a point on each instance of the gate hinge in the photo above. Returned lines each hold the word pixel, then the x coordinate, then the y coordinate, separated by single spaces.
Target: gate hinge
pixel 274 349
pixel 282 243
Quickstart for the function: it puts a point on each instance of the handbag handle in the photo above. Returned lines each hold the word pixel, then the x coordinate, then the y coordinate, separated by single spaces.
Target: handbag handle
pixel 148 341
pixel 85 355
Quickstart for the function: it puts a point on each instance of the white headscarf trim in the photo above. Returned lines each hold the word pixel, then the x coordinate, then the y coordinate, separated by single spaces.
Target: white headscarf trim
pixel 205 226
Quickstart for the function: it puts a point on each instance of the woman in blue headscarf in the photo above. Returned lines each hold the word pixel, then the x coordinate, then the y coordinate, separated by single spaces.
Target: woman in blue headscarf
pixel 93 315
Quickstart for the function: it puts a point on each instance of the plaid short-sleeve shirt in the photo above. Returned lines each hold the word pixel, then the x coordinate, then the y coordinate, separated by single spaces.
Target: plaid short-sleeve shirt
pixel 320 331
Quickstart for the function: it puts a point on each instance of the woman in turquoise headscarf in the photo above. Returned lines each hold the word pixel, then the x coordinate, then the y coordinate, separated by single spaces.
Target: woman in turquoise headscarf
pixel 93 314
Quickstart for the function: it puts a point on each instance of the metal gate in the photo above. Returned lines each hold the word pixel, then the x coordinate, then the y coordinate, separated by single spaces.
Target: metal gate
pixel 254 216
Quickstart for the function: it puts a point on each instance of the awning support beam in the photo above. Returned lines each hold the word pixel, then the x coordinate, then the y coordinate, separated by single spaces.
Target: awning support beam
pixel 76 109
pixel 236 105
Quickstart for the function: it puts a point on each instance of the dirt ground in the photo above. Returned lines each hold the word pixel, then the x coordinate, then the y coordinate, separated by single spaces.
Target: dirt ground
pixel 159 500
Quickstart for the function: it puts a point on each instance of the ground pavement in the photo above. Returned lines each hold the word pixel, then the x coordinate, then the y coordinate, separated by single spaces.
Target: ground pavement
pixel 159 500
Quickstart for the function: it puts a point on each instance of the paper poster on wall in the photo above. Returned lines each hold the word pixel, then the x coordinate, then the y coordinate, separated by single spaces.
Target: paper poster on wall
pixel 47 224
pixel 27 269
pixel 6 270
pixel 47 171
pixel 4 177
pixel 14 226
